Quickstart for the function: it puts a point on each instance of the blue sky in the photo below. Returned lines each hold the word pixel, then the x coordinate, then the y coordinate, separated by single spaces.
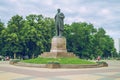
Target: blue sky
pixel 101 13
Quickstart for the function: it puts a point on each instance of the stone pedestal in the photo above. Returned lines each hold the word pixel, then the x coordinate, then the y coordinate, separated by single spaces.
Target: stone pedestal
pixel 58 49
pixel 58 45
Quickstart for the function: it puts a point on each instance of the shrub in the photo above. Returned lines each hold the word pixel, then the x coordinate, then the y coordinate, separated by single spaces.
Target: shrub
pixel 13 61
pixel 118 58
pixel 53 62
pixel 102 63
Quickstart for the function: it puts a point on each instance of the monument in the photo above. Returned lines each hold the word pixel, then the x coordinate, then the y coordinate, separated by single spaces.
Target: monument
pixel 59 23
pixel 58 44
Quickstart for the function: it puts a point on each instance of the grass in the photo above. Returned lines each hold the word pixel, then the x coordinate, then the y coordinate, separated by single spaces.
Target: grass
pixel 58 60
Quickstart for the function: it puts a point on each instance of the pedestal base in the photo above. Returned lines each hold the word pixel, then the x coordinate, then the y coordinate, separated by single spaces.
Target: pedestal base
pixel 58 49
pixel 57 55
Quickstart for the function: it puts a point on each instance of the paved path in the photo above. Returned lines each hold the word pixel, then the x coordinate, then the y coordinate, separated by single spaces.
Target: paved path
pixel 10 72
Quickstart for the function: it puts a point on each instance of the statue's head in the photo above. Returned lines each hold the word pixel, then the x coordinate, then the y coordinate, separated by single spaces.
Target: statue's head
pixel 58 10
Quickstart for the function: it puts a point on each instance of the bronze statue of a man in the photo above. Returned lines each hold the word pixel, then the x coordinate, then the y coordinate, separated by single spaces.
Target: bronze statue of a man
pixel 59 23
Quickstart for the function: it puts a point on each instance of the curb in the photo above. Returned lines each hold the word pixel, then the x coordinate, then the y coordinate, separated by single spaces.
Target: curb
pixel 54 66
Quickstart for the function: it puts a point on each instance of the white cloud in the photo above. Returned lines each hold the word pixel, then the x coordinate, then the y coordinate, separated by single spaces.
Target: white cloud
pixel 105 12
pixel 13 0
pixel 75 19
pixel 102 13
pixel 112 33
pixel 83 9
pixel 45 2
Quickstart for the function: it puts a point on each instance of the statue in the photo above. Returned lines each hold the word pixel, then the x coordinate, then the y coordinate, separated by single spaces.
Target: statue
pixel 59 23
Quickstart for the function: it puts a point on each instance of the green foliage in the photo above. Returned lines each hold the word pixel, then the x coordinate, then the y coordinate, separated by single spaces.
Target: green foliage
pixel 87 42
pixel 32 36
pixel 2 31
pixel 118 58
pixel 102 63
pixel 13 61
pixel 58 60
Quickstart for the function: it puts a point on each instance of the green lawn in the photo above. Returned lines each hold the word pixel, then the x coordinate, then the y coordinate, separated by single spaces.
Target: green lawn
pixel 58 60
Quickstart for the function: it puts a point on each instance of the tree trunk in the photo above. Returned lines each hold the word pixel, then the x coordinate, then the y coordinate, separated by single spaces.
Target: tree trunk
pixel 32 56
pixel 14 55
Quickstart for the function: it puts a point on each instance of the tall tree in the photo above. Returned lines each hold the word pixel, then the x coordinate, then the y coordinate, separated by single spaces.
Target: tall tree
pixel 87 42
pixel 14 26
pixel 32 36
pixel 38 33
pixel 1 38
pixel 78 38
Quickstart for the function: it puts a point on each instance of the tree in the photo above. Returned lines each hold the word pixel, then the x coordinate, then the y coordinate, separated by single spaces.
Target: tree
pixel 2 28
pixel 87 42
pixel 104 44
pixel 13 37
pixel 37 34
pixel 79 38
pixel 32 36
